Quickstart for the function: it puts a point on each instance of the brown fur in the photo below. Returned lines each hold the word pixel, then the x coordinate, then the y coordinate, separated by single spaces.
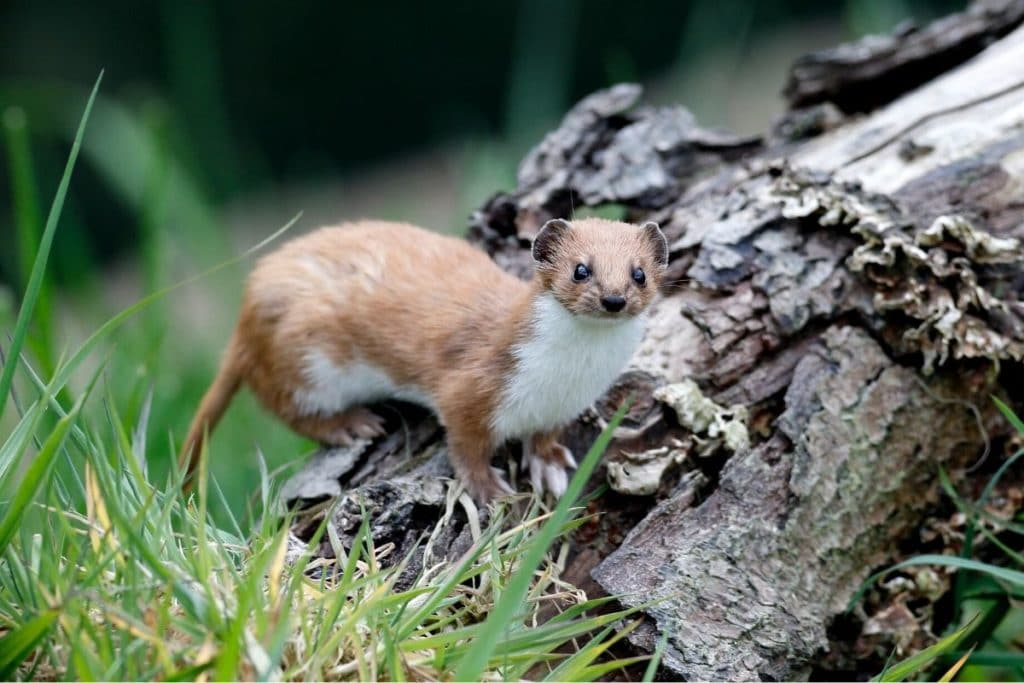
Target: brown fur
pixel 429 310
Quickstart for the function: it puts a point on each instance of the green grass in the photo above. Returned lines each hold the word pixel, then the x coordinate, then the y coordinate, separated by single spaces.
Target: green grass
pixel 983 641
pixel 162 361
pixel 108 573
pixel 137 583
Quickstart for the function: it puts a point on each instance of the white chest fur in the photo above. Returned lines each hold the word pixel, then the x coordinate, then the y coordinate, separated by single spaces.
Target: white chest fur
pixel 565 365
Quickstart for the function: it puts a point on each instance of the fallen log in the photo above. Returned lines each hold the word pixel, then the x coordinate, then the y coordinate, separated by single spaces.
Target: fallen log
pixel 844 298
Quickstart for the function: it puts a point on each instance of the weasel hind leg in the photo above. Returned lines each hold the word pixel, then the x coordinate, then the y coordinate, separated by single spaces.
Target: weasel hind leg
pixel 342 429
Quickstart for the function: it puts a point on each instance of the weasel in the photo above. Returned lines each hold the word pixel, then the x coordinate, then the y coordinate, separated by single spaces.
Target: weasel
pixel 350 315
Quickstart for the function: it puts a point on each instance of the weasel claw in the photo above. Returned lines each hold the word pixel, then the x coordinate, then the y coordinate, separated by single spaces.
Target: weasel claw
pixel 567 459
pixel 549 473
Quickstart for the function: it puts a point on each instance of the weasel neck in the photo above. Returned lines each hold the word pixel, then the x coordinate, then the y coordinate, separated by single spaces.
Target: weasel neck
pixel 562 364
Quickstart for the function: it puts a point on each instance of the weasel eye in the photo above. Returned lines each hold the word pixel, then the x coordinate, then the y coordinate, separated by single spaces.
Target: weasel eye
pixel 581 273
pixel 639 277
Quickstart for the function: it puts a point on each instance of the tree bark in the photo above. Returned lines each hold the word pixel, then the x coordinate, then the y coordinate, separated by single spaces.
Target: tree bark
pixel 844 298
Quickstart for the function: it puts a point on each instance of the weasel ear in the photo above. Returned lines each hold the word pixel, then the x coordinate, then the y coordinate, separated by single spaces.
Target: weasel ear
pixel 659 245
pixel 545 244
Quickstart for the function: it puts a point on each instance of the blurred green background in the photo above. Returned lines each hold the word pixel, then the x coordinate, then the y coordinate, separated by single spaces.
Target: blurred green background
pixel 218 122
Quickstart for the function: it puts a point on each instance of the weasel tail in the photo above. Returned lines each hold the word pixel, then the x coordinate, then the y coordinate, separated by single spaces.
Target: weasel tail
pixel 215 401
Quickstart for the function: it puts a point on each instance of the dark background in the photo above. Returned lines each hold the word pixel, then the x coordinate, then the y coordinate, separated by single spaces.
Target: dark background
pixel 250 95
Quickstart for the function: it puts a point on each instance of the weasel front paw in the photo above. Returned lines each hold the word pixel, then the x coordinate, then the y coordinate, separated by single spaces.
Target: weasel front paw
pixel 486 485
pixel 548 467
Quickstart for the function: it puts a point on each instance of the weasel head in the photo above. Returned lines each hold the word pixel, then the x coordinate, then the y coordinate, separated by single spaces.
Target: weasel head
pixel 601 269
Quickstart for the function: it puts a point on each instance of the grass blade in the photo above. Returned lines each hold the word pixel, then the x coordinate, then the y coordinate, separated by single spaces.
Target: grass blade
pixel 509 605
pixel 1011 576
pixel 28 219
pixel 997 658
pixel 17 644
pixel 1010 416
pixel 20 438
pixel 574 667
pixel 28 225
pixel 912 665
pixel 955 669
pixel 63 374
pixel 35 281
pixel 597 672
pixel 659 651
pixel 33 479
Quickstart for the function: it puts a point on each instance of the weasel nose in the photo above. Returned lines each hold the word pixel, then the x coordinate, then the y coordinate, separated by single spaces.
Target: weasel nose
pixel 613 304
